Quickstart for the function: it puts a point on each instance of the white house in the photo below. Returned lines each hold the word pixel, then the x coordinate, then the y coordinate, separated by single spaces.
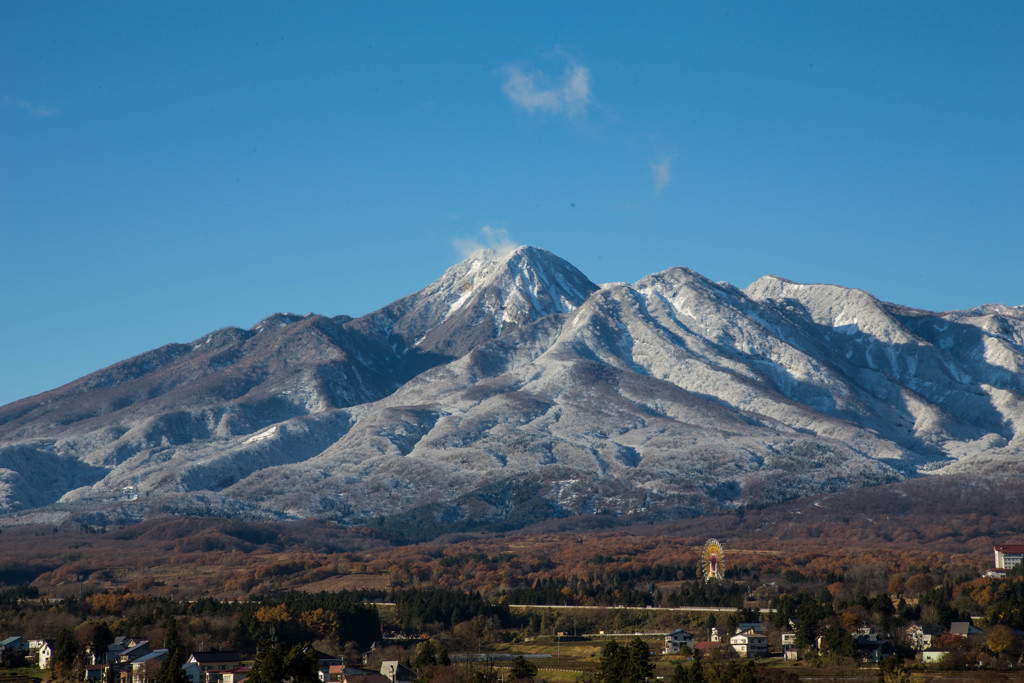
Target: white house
pixel 675 641
pixel 749 643
pixel 933 656
pixel 394 671
pixel 45 654
pixel 212 663
pixel 145 667
pixel 918 638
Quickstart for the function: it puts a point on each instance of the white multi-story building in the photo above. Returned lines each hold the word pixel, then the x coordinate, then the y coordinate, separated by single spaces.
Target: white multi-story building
pixel 1008 556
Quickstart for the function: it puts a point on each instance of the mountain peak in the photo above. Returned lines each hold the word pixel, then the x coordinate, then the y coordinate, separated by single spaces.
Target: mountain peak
pixel 487 294
pixel 524 284
pixel 489 261
pixel 499 253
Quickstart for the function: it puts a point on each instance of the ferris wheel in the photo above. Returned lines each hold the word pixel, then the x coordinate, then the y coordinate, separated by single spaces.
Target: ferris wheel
pixel 711 565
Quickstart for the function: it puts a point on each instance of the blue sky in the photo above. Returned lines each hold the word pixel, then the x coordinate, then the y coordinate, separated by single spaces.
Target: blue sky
pixel 167 169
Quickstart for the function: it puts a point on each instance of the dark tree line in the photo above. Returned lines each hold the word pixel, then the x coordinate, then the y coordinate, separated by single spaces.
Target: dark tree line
pixel 618 590
pixel 351 621
pixel 575 592
pixel 417 608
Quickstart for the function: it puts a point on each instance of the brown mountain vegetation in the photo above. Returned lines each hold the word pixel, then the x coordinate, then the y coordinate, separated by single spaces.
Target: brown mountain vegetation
pixel 898 537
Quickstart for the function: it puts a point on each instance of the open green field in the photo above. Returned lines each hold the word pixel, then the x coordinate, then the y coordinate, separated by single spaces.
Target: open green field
pixel 568 659
pixel 23 674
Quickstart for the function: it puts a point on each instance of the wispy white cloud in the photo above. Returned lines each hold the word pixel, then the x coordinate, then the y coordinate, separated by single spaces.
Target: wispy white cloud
pixel 661 172
pixel 496 239
pixel 534 90
pixel 41 110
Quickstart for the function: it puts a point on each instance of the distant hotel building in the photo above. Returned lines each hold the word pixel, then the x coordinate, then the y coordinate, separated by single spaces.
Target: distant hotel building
pixel 1008 556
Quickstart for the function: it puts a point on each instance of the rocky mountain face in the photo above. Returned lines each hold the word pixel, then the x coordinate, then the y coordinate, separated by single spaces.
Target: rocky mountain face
pixel 513 389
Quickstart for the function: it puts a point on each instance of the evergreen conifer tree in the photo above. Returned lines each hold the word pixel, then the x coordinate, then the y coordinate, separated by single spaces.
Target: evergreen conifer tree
pixel 696 673
pixel 522 670
pixel 65 653
pixel 638 662
pixel 426 654
pixel 170 670
pixel 268 667
pixel 300 664
pixel 613 663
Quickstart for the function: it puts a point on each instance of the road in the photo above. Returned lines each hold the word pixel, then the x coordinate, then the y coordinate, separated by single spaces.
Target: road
pixel 646 609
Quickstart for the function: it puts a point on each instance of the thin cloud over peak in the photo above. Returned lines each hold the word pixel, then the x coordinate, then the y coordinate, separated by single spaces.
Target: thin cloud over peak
pixel 536 91
pixel 496 239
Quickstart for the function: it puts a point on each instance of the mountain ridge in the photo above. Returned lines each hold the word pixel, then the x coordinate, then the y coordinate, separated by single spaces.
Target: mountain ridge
pixel 515 383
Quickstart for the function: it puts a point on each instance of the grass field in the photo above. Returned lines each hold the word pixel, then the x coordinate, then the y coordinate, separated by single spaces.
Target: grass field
pixel 571 658
pixel 23 674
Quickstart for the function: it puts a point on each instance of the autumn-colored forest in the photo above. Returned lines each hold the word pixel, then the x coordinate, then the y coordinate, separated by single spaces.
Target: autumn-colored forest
pixel 888 557
pixel 868 536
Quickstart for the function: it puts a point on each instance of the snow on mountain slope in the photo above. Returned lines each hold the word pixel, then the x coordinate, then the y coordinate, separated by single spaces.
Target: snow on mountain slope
pixel 890 354
pixel 513 388
pixel 171 408
pixel 488 294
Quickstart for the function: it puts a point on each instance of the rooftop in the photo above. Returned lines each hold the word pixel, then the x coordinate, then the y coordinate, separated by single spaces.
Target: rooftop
pixel 155 655
pixel 1014 549
pixel 215 656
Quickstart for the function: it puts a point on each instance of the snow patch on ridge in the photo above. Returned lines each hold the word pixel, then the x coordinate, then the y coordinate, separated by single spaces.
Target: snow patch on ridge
pixel 264 435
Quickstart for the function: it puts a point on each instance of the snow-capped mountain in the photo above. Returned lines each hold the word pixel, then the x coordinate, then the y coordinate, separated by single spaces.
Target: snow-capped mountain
pixel 514 389
pixel 489 294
